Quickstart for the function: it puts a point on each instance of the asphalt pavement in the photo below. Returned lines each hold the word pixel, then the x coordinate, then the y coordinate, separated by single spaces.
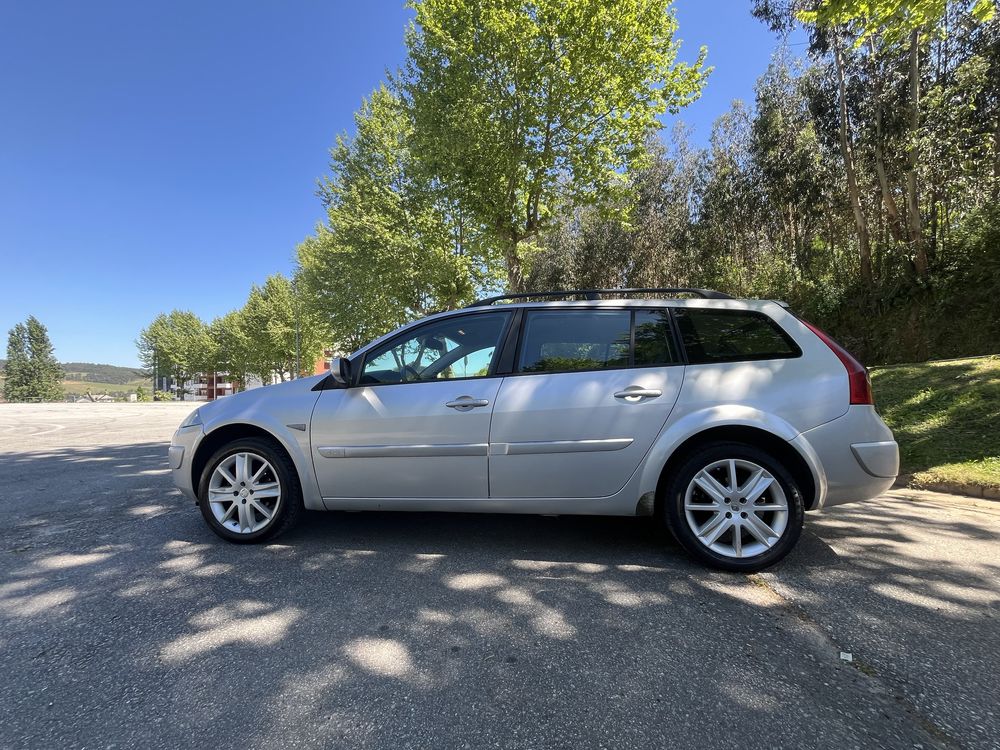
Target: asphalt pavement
pixel 124 622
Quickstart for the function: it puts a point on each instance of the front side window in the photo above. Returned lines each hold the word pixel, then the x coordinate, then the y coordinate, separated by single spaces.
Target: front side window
pixel 460 347
pixel 731 336
pixel 558 340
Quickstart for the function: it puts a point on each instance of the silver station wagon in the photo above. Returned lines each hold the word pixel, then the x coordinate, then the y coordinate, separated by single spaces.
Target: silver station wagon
pixel 723 419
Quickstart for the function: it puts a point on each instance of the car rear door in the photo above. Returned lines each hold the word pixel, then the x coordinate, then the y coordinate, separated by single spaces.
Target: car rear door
pixel 591 389
pixel 416 421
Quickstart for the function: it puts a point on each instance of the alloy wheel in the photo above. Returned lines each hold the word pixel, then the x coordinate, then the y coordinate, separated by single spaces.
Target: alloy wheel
pixel 736 508
pixel 244 493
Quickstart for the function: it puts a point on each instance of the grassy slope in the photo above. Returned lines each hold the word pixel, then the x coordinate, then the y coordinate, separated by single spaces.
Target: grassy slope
pixel 80 387
pixel 945 416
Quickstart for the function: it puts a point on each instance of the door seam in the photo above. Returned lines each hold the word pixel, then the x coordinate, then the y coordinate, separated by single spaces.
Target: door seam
pixel 489 438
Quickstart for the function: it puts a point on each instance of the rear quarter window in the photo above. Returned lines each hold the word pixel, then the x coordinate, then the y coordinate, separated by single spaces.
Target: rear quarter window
pixel 732 336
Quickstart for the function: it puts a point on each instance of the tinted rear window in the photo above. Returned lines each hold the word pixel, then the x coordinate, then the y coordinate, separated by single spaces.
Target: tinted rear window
pixel 654 341
pixel 731 336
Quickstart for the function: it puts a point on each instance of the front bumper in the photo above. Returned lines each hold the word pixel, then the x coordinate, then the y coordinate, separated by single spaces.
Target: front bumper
pixel 180 454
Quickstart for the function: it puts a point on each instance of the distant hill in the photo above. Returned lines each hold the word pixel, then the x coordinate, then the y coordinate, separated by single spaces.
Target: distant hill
pixel 88 372
pixel 96 373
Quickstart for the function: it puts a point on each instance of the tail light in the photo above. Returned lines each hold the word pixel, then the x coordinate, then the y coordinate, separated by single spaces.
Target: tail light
pixel 857 375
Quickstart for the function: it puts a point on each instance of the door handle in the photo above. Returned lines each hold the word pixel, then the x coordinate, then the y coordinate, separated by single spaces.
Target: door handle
pixel 634 393
pixel 465 403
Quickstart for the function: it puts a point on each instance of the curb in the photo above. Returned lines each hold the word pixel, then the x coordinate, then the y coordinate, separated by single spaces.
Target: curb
pixel 905 481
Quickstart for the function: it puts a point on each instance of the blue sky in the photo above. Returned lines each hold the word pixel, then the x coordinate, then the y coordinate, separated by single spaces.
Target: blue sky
pixel 164 155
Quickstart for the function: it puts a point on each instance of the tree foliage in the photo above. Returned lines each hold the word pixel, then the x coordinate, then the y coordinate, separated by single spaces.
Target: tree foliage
pixel 32 372
pixel 766 211
pixel 17 379
pixel 519 145
pixel 265 339
pixel 518 106
pixel 394 246
pixel 272 329
pixel 893 20
pixel 178 344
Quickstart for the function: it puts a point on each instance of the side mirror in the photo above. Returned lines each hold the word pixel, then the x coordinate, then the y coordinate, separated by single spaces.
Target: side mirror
pixel 340 371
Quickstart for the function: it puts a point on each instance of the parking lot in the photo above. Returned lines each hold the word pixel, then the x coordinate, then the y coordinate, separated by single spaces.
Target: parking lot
pixel 126 623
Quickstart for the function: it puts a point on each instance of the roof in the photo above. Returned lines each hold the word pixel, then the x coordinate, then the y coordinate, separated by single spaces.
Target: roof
pixel 724 302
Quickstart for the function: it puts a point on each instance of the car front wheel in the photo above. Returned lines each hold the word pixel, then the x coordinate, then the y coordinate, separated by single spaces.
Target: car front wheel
pixel 250 491
pixel 734 507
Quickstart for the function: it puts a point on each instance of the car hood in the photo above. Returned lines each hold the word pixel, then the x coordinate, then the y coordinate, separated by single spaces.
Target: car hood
pixel 292 394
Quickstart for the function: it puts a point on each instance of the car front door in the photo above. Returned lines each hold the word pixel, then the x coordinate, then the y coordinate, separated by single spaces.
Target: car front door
pixel 584 403
pixel 416 420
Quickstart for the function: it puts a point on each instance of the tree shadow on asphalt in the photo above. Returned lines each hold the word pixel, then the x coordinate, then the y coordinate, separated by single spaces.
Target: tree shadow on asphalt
pixel 414 630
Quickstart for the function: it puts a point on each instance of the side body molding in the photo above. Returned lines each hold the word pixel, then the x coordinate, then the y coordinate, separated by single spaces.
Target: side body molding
pixel 402 451
pixel 473 449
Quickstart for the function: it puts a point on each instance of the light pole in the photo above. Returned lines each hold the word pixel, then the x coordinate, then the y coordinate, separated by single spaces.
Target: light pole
pixel 298 335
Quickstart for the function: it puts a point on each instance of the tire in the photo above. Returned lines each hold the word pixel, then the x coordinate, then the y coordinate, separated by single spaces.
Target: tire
pixel 687 507
pixel 250 524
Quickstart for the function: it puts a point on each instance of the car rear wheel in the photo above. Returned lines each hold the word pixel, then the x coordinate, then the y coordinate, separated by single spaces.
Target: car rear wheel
pixel 734 507
pixel 249 491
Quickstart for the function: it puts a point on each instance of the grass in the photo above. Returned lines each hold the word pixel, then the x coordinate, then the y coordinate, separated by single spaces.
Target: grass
pixel 945 416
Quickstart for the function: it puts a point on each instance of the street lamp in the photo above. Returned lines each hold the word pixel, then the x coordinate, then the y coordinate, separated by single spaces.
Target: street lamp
pixel 298 336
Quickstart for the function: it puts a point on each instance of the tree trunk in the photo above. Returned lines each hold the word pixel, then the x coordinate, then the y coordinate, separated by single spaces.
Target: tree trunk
pixel 847 150
pixel 896 227
pixel 996 162
pixel 912 161
pixel 515 270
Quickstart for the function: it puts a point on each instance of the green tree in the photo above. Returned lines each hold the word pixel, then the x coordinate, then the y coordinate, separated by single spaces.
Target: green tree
pixel 32 371
pixel 593 247
pixel 881 48
pixel 232 347
pixel 393 247
pixel 518 106
pixel 266 330
pixel 177 343
pixel 895 20
pixel 16 384
pixel 46 373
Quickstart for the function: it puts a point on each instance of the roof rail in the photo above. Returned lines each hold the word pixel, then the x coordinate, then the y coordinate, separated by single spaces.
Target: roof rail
pixel 595 294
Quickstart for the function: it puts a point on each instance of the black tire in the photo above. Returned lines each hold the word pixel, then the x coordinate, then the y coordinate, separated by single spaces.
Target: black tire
pixel 673 515
pixel 289 506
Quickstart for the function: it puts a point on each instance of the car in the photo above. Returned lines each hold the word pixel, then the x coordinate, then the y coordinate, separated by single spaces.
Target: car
pixel 724 419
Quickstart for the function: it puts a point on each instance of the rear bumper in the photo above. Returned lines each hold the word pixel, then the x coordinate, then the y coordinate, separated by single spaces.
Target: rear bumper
pixel 856 455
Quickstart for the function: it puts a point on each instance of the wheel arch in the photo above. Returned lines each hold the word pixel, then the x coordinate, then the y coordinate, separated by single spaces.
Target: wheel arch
pixel 782 450
pixel 226 433
pixel 220 437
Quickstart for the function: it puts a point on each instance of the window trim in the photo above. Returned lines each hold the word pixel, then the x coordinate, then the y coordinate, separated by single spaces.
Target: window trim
pixel 796 350
pixel 412 331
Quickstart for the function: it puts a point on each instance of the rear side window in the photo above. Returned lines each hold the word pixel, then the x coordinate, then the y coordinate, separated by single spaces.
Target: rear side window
pixel 654 341
pixel 732 336
pixel 557 341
